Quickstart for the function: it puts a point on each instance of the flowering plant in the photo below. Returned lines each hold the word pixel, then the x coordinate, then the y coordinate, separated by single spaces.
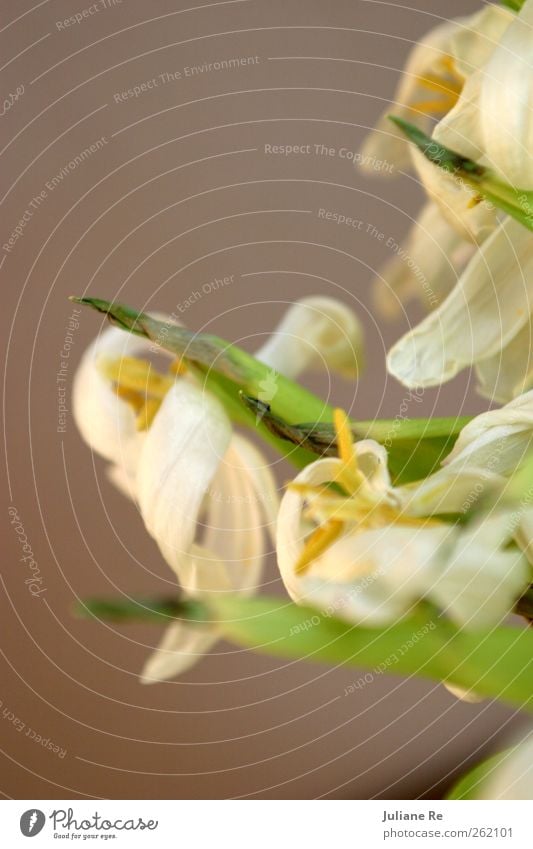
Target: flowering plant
pixel 404 546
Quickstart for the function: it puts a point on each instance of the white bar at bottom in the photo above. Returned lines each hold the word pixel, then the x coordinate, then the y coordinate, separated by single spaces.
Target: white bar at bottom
pixel 266 824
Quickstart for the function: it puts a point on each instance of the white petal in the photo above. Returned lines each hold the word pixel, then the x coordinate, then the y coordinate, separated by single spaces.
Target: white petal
pixel 509 372
pixel 476 582
pixel 508 91
pixel 257 467
pixel 238 510
pixel 456 200
pixel 106 422
pixel 183 646
pixel 123 479
pixel 452 489
pixel 290 536
pixel 473 43
pixel 426 267
pixel 315 332
pixel 493 119
pixel 497 440
pixel 376 576
pixel 487 308
pixel 179 459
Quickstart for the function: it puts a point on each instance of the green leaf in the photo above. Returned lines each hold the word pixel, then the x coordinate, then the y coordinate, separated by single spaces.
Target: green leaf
pixel 495 663
pixel 124 610
pixel 515 5
pixel 416 447
pixel 470 786
pixel 515 202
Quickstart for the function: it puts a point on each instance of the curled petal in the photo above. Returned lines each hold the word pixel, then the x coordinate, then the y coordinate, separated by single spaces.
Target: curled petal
pixel 474 41
pixel 315 332
pixel 179 459
pixel 106 422
pixel 487 308
pixel 182 647
pixel 426 267
pixel 497 440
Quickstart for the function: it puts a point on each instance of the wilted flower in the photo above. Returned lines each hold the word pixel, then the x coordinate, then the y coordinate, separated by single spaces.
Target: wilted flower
pixel 205 493
pixel 346 537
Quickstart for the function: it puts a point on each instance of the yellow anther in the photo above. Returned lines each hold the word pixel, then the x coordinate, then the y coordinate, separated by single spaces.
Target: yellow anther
pixel 317 542
pixel 343 433
pixel 134 374
pixel 474 201
pixel 349 476
pixel 138 383
pixel 147 414
pixel 178 366
pixel 447 85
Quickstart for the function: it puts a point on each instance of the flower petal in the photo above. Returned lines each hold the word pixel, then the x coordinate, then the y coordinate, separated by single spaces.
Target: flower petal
pixel 487 308
pixel 182 647
pixel 386 143
pixel 315 332
pixel 426 267
pixel 106 422
pixel 493 119
pixel 473 43
pixel 478 582
pixel 509 372
pixel 497 440
pixel 472 218
pixel 179 459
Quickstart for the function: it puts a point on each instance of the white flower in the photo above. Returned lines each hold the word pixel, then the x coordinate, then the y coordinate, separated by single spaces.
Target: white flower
pixel 370 555
pixel 205 493
pixel 492 121
pixel 315 332
pixel 477 324
pixel 426 266
pixel 433 79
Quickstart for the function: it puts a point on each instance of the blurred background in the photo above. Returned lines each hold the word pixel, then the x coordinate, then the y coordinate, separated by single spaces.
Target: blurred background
pixel 139 164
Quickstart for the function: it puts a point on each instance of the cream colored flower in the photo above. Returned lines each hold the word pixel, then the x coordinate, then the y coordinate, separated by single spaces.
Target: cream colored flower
pixel 492 122
pixel 370 554
pixel 205 493
pixel 433 80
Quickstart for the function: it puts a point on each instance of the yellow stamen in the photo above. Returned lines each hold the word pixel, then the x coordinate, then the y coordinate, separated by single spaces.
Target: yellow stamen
pixel 349 475
pixel 317 543
pixel 178 366
pixel 147 413
pixel 138 383
pixel 344 436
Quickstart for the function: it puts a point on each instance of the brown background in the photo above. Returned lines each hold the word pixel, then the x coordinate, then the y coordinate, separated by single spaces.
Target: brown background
pixel 181 193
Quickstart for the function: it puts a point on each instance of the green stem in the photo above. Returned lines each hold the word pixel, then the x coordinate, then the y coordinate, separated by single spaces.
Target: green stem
pixel 515 202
